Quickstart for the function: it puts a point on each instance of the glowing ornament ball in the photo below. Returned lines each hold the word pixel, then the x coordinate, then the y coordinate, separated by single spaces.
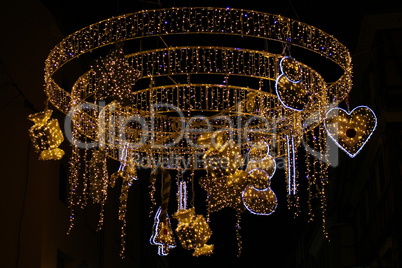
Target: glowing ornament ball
pixel 46 135
pixel 259 201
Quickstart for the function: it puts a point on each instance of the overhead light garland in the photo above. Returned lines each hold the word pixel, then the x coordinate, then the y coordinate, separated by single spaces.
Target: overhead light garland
pixel 172 98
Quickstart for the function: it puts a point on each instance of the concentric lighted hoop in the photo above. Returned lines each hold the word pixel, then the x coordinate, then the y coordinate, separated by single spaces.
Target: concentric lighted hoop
pixel 181 59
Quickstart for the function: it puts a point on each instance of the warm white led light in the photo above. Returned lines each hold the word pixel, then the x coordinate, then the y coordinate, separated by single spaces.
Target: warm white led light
pixel 350 130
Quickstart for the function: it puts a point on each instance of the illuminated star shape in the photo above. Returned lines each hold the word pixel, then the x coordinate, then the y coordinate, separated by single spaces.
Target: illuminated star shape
pixel 114 76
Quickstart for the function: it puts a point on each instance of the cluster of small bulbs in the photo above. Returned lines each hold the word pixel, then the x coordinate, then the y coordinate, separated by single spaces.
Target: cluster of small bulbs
pixel 46 135
pixel 290 88
pixel 351 129
pixel 193 232
pixel 114 77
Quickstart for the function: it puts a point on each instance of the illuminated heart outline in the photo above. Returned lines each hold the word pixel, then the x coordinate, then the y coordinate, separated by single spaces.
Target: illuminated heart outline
pixel 332 135
pixel 277 90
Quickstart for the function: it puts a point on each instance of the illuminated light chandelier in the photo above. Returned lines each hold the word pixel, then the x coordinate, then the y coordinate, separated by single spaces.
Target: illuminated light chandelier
pixel 216 97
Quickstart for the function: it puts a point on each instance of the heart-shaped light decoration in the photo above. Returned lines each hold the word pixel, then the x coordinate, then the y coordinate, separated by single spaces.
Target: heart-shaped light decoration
pixel 350 131
pixel 289 89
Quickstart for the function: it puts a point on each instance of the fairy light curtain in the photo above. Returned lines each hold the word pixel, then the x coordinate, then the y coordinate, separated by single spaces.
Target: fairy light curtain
pixel 214 99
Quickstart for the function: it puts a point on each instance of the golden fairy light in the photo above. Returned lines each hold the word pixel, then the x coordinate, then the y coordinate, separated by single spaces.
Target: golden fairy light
pixel 227 110
pixel 46 135
pixel 193 232
pixel 351 130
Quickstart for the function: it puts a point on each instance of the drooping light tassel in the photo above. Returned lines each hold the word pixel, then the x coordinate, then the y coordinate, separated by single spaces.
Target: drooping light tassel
pixel 323 176
pixel 73 184
pixel 99 181
pixel 182 195
pixel 207 201
pixel 85 180
pixel 128 175
pixel 323 201
pixel 125 187
pixel 105 185
pixel 295 176
pixel 291 173
pixel 288 167
pixel 238 234
pixel 74 174
pixel 309 181
pixel 152 190
pixel 192 186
